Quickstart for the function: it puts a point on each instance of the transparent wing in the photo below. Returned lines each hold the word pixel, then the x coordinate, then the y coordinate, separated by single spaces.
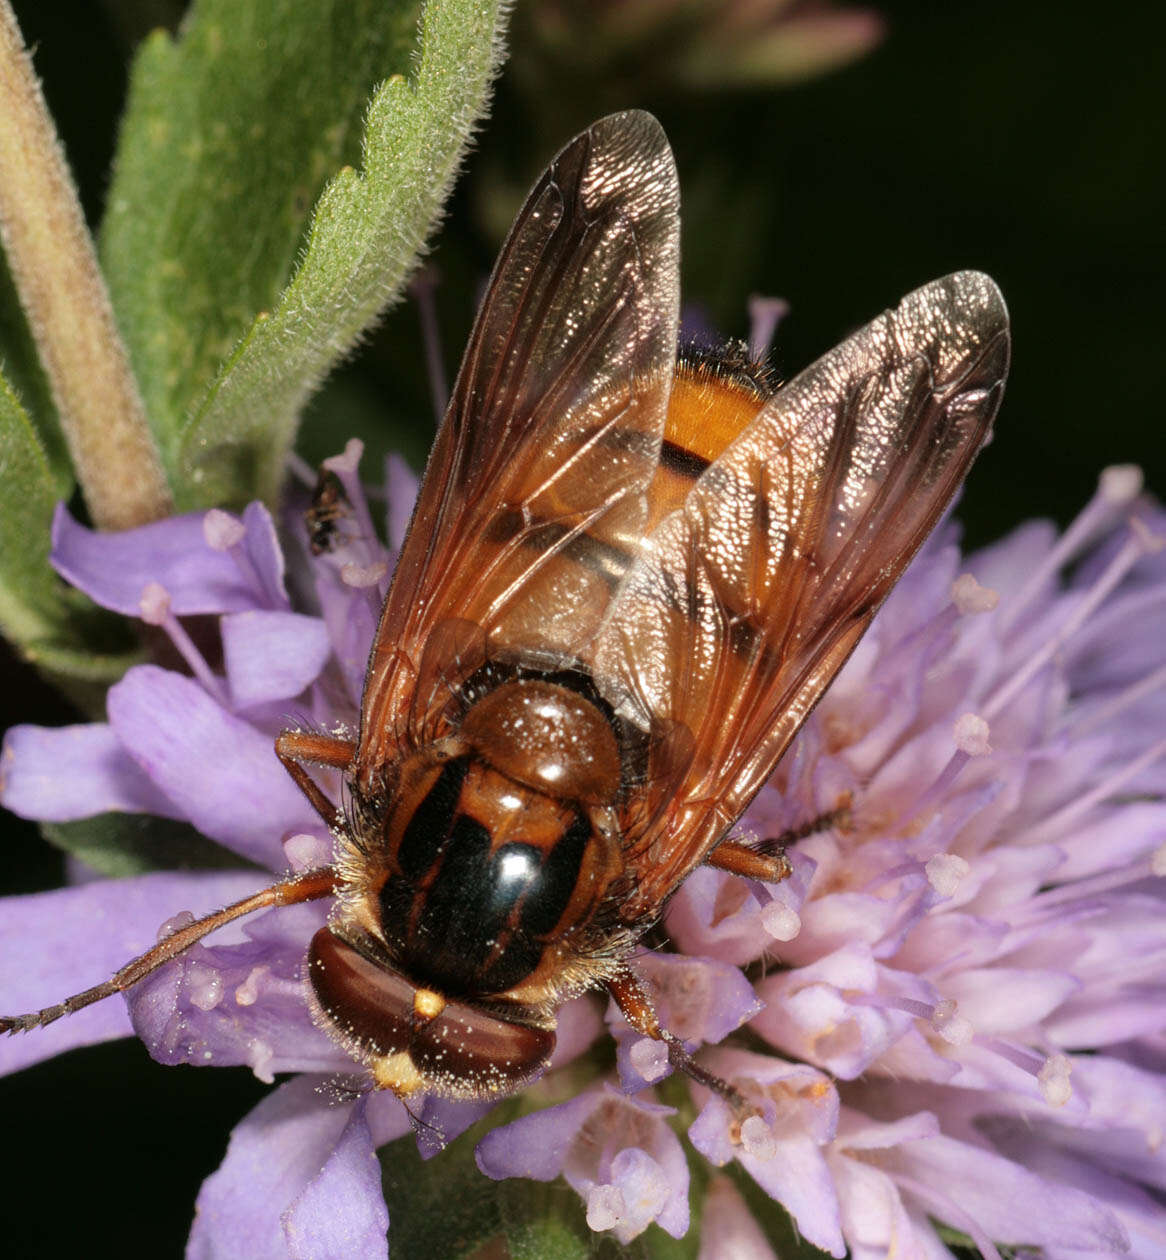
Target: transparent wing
pixel 533 502
pixel 750 597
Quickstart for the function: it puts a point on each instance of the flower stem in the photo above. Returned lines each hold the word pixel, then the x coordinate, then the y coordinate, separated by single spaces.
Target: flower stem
pixel 63 293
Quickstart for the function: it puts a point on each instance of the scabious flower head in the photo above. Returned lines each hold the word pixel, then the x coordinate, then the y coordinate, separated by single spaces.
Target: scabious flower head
pixel 949 1020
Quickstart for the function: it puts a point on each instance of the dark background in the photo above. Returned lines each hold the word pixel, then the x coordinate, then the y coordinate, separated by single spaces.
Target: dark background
pixel 1025 140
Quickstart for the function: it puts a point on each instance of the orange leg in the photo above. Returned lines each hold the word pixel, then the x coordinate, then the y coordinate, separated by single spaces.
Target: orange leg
pixel 306 887
pixel 636 1007
pixel 297 748
pixel 750 861
pixel 766 860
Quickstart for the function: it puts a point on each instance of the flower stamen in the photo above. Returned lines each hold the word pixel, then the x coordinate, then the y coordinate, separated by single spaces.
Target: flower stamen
pixel 1056 823
pixel 650 1059
pixel 945 873
pixel 155 611
pixel 949 1024
pixel 1139 544
pixel 970 736
pixel 1053 1079
pixel 1103 714
pixel 765 313
pixel 1117 487
pixel 971 598
pixel 224 532
pixel 758 1138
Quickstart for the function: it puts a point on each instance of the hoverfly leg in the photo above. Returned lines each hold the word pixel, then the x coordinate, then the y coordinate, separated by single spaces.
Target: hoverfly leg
pixel 765 859
pixel 306 887
pixel 832 818
pixel 636 1007
pixel 295 749
pixel 750 861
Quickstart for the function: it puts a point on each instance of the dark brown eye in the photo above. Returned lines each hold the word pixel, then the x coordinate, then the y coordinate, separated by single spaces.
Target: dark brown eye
pixel 459 1049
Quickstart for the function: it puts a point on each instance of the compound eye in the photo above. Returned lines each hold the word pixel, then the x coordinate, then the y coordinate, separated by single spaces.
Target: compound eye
pixel 415 1040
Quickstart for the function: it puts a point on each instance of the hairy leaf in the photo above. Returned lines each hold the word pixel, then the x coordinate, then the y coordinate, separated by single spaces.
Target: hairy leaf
pixel 231 131
pixel 31 601
pixel 56 628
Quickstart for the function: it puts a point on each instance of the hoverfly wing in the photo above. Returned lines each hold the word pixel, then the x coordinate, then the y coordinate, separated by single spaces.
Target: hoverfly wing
pixel 751 596
pixel 533 501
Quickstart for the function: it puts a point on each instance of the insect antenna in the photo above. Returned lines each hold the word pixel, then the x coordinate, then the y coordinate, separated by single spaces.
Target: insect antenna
pixel 306 887
pixel 343 1090
pixel 428 1134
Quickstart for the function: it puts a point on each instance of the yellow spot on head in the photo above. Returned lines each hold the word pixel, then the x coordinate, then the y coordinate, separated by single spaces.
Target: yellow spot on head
pixel 397 1073
pixel 427 1004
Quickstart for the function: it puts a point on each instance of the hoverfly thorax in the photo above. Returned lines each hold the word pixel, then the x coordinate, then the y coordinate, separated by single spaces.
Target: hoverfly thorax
pixel 627 582
pixel 485 863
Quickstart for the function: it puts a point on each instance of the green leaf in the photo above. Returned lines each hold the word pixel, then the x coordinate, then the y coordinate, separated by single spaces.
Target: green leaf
pixel 31 600
pixel 443 1206
pixel 118 845
pixel 59 630
pixel 102 650
pixel 231 132
pixel 366 233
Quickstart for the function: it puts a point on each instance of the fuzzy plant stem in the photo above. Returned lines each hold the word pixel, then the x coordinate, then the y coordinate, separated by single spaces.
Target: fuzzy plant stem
pixel 54 265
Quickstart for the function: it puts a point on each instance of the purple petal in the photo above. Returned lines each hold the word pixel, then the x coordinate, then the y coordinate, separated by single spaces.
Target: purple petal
pixel 802 1117
pixel 625 1161
pixel 840 1011
pixel 1003 999
pixel 288 1160
pixel 350 614
pixel 342 1212
pixel 874 1221
pixel 804 1100
pixel 82 936
pixel 272 655
pixel 1006 565
pixel 639 1192
pixel 698 999
pixel 798 1178
pixel 858 1132
pixel 579 1024
pixel 535 1145
pixel 218 770
pixel 241 1003
pixel 401 486
pixel 113 569
pixel 727 1228
pixel 264 555
pixel 443 1120
pixel 718 916
pixel 1004 1199
pixel 711 1132
pixel 100 778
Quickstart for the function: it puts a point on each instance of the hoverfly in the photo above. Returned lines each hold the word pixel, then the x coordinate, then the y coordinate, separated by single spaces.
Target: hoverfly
pixel 627 582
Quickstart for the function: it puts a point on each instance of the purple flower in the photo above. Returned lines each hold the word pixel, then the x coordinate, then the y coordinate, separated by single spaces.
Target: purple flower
pixel 951 1019
pixel 618 1152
